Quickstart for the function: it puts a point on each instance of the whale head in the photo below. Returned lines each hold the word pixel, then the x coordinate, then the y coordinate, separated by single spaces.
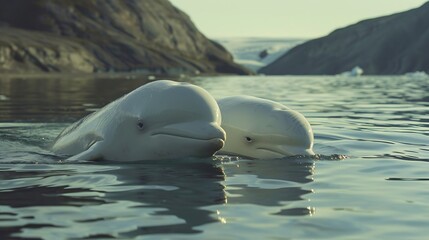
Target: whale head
pixel 163 120
pixel 260 128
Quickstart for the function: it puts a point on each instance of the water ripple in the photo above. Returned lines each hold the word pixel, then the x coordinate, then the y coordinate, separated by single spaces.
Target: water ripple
pixel 371 140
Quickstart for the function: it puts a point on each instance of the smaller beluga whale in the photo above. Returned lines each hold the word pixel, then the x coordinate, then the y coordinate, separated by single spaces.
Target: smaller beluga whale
pixel 263 129
pixel 160 120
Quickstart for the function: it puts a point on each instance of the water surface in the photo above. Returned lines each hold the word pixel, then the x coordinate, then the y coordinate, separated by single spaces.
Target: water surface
pixel 379 191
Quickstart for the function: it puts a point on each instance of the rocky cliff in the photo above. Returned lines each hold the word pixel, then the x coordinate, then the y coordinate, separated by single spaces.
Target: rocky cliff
pixel 105 35
pixel 394 44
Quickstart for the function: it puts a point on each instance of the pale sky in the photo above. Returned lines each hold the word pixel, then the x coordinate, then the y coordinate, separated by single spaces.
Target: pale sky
pixel 284 18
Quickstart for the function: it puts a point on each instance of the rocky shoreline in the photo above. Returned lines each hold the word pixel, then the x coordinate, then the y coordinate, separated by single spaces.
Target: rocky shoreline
pixel 90 36
pixel 389 45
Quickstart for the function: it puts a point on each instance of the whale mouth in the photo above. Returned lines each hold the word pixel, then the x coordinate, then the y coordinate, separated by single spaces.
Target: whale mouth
pixel 196 130
pixel 178 135
pixel 274 153
pixel 282 153
pixel 211 144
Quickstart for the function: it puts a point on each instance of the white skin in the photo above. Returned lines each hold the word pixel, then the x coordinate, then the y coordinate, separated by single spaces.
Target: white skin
pixel 263 129
pixel 160 120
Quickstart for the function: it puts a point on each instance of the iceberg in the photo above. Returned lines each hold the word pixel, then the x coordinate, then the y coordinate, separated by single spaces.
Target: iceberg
pixel 417 75
pixel 355 72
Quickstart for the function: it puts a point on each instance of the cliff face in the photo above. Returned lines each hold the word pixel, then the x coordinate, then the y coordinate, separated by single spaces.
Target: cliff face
pixel 105 35
pixel 394 44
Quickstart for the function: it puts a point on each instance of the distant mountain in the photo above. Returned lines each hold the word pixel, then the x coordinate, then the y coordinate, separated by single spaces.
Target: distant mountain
pixel 254 53
pixel 394 44
pixel 105 35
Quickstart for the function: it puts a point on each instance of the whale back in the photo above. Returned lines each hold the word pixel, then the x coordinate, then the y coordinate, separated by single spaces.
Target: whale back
pixel 72 127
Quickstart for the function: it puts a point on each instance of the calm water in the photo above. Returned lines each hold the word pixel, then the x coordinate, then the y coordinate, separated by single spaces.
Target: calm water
pixel 380 191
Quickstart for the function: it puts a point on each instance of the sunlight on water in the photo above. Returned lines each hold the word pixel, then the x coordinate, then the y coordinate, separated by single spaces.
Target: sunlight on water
pixel 369 179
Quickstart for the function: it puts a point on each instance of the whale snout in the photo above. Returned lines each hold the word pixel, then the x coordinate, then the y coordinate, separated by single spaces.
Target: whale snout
pixel 300 152
pixel 217 144
pixel 309 152
pixel 195 139
pixel 284 151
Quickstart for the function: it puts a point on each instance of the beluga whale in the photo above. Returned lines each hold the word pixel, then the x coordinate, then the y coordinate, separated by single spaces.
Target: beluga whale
pixel 263 129
pixel 160 120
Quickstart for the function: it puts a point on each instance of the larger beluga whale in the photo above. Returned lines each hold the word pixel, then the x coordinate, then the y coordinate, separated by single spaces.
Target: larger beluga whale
pixel 159 120
pixel 264 129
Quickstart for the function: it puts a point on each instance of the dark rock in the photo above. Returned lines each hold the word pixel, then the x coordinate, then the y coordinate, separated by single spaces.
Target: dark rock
pixel 263 54
pixel 394 44
pixel 105 35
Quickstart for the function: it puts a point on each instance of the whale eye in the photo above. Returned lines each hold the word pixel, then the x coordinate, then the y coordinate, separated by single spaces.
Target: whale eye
pixel 248 139
pixel 140 125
